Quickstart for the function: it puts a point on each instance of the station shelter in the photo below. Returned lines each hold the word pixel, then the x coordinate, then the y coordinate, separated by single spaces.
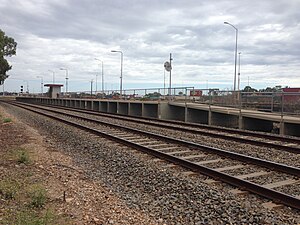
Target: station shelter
pixel 54 90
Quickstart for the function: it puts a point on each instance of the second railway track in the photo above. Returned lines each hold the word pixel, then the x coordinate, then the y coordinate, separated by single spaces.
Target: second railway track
pixel 236 169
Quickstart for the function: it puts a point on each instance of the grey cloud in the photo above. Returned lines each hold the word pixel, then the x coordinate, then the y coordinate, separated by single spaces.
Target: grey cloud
pixel 52 34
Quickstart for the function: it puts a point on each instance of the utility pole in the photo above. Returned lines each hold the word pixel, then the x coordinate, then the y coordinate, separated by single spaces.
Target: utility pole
pixel 170 84
pixel 91 87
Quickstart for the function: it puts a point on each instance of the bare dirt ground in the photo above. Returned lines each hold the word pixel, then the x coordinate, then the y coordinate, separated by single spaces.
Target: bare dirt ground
pixel 41 184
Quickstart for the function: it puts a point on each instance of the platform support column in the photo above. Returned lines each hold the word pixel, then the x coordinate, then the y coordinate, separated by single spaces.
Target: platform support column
pixel 281 128
pixel 209 116
pixel 209 110
pixel 241 125
pixel 185 113
pixel 159 110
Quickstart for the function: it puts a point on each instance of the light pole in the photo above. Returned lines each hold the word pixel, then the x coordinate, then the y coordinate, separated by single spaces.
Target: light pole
pixel 102 75
pixel 121 77
pixel 235 58
pixel 27 86
pixel 239 72
pixel 53 75
pixel 67 78
pixel 164 83
pixel 42 82
pixel 92 87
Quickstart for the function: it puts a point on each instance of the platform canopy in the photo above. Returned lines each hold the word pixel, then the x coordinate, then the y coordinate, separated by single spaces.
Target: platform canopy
pixel 54 90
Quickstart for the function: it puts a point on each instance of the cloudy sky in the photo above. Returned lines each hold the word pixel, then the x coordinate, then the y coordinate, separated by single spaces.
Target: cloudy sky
pixel 54 34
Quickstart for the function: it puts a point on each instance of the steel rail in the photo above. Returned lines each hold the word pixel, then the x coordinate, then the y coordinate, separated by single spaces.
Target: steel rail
pixel 276 196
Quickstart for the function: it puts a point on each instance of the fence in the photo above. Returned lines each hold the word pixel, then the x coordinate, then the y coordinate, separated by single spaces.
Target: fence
pixel 277 102
pixel 177 93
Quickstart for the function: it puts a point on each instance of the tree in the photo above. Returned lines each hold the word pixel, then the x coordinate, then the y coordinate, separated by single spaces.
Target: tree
pixel 277 88
pixel 152 95
pixel 7 48
pixel 249 89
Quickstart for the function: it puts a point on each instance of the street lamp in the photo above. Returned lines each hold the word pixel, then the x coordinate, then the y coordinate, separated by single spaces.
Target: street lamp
pixel 42 82
pixel 92 87
pixel 67 73
pixel 239 72
pixel 235 58
pixel 27 86
pixel 53 75
pixel 121 77
pixel 102 82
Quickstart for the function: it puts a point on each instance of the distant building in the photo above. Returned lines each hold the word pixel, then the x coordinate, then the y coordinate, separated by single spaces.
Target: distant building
pixel 291 94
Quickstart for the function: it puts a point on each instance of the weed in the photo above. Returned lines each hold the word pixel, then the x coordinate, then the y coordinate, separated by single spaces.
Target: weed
pixel 7 120
pixel 27 217
pixel 38 197
pixel 23 156
pixel 9 188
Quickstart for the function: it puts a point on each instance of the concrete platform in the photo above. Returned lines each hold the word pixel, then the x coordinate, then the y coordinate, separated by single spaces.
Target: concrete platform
pixel 187 112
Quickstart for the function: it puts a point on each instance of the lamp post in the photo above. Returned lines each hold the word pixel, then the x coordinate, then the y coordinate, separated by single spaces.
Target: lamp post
pixel 102 75
pixel 164 83
pixel 67 78
pixel 239 72
pixel 121 77
pixel 92 87
pixel 42 82
pixel 27 86
pixel 53 75
pixel 235 58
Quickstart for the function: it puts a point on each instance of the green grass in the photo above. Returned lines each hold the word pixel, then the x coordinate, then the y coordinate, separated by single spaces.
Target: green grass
pixel 7 120
pixel 29 217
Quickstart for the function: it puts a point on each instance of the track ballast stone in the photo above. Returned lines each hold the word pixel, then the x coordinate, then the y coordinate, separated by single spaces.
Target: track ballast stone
pixel 164 194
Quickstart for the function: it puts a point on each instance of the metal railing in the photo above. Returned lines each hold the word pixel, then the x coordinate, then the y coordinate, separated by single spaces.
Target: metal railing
pixel 147 94
pixel 273 102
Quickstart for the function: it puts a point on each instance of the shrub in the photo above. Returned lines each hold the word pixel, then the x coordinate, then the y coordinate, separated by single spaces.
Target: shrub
pixel 38 197
pixel 23 156
pixel 9 188
pixel 7 120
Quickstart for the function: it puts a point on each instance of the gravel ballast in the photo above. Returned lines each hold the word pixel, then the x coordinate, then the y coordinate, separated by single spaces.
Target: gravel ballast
pixel 164 194
pixel 271 154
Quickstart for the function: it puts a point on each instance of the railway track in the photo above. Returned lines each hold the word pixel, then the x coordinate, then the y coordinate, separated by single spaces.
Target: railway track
pixel 286 143
pixel 239 170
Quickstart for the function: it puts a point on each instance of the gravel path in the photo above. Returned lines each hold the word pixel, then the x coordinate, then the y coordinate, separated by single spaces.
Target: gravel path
pixel 166 195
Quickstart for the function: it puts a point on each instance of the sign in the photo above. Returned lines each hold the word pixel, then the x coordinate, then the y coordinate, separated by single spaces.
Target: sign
pixel 196 92
pixel 167 66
